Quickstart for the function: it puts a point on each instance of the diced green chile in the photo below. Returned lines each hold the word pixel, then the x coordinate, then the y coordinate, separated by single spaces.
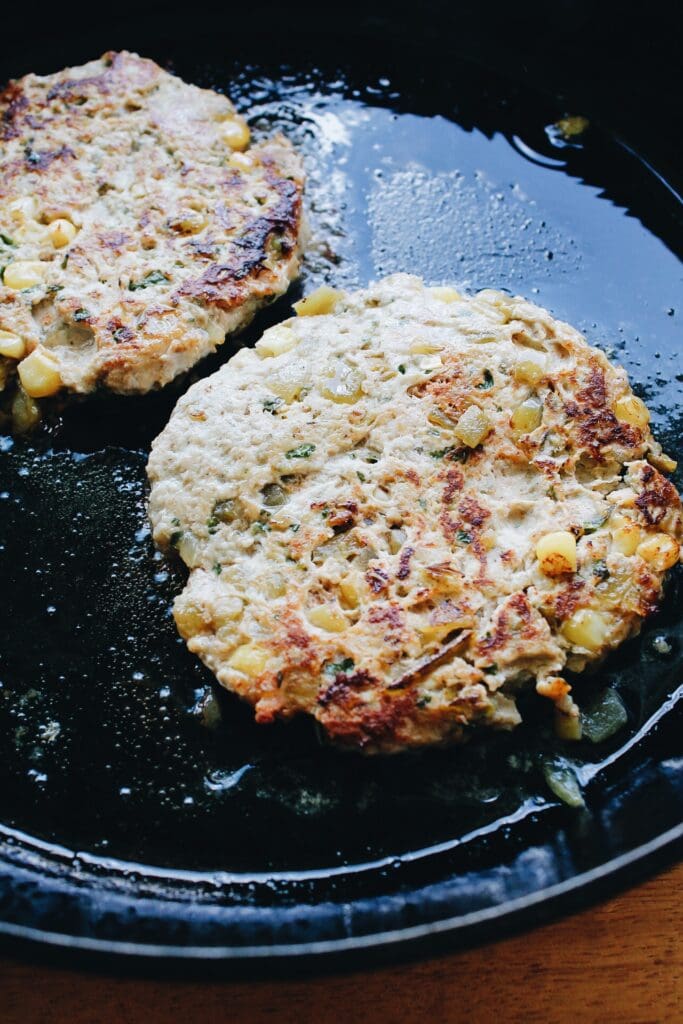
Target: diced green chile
pixel 603 717
pixel 227 510
pixel 560 777
pixel 273 495
pixel 594 524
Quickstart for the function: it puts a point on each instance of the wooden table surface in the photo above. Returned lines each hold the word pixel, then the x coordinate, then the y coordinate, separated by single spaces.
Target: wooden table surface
pixel 621 961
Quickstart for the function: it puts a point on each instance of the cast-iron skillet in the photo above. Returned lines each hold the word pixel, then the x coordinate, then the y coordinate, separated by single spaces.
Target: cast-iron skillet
pixel 145 819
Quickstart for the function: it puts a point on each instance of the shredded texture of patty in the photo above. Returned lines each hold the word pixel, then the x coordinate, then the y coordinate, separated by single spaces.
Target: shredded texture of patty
pixel 136 228
pixel 398 513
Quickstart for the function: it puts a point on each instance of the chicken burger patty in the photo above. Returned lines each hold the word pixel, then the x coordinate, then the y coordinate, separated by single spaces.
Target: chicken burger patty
pixel 137 227
pixel 407 505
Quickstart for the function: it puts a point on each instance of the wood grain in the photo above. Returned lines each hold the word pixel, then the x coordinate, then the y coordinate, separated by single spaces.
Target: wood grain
pixel 621 961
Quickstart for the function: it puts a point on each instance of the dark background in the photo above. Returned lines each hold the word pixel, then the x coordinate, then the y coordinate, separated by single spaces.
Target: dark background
pixel 619 63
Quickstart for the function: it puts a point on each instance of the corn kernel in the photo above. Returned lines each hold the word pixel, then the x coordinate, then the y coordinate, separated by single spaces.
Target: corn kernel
pixel 445 293
pixel 663 462
pixel 62 232
pixel 632 410
pixel 275 586
pixel 587 629
pixel 11 345
pixel 325 617
pixel 275 341
pixel 227 612
pixel 321 301
pixel 25 412
pixel 626 536
pixel 472 427
pixel 290 379
pixel 39 374
pixel 660 551
pixel 527 371
pixel 527 416
pixel 556 553
pixel 23 274
pixel 190 620
pixel 488 540
pixel 189 550
pixel 236 133
pixel 397 539
pixel 348 591
pixel 242 161
pixel 250 659
pixel 343 386
pixel 23 208
pixel 567 727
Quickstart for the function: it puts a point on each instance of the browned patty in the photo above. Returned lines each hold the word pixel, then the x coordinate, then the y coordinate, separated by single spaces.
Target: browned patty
pixel 136 227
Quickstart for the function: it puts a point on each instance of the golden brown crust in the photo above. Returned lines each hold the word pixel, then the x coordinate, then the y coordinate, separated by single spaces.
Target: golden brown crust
pixel 357 554
pixel 177 239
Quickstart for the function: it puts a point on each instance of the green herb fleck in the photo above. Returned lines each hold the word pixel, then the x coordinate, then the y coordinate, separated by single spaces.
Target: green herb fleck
pixel 401 368
pixel 176 537
pixel 271 404
pixel 81 314
pixel 212 524
pixel 7 240
pixel 361 476
pixel 217 568
pixel 335 667
pixel 302 451
pixel 491 668
pixel 295 527
pixel 464 537
pixel 261 527
pixel 452 453
pixel 153 277
pixel 487 381
pixel 325 512
pixel 424 700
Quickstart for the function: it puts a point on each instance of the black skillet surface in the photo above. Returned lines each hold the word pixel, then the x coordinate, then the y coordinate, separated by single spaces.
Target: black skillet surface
pixel 141 816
